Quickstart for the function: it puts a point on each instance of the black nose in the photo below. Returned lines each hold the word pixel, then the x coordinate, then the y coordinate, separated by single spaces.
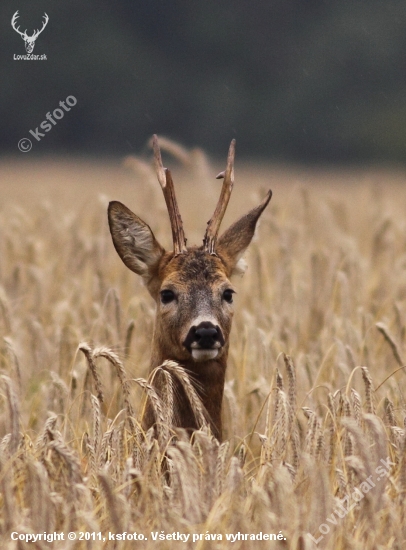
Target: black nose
pixel 205 335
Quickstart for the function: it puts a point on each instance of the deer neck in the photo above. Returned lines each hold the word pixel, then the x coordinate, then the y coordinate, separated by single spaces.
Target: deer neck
pixel 208 379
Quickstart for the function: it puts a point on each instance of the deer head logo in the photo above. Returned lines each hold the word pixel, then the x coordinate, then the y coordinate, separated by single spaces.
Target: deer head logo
pixel 29 40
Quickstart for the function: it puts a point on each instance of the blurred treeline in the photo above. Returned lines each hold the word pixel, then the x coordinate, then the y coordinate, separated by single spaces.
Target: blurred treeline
pixel 303 80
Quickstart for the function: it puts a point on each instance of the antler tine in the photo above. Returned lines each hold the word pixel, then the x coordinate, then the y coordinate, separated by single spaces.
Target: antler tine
pixel 166 182
pixel 213 225
pixel 44 24
pixel 13 24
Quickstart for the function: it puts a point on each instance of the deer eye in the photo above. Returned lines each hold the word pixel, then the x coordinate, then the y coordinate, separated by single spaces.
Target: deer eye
pixel 228 295
pixel 167 296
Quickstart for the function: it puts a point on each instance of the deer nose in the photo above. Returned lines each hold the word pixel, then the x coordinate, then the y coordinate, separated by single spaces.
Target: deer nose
pixel 206 337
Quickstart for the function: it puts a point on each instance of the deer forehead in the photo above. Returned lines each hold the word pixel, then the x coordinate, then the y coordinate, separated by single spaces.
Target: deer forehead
pixel 196 267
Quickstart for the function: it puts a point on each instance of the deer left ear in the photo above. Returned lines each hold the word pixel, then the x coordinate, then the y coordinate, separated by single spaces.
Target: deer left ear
pixel 235 240
pixel 134 241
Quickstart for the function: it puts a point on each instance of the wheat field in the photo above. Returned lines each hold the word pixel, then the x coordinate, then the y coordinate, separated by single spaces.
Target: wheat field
pixel 314 448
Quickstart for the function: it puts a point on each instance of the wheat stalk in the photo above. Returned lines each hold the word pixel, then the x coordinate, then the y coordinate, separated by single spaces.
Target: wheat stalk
pixel 88 353
pixel 181 374
pixel 14 413
pixel 368 390
pixel 383 329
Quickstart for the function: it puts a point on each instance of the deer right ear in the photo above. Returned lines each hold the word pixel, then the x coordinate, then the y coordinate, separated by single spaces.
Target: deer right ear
pixel 235 240
pixel 134 241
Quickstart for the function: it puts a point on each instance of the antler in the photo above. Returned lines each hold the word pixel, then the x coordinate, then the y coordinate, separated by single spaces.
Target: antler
pixel 44 24
pixel 13 24
pixel 213 226
pixel 165 180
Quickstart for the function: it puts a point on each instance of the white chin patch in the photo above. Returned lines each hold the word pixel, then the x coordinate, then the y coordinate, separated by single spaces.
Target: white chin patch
pixel 204 354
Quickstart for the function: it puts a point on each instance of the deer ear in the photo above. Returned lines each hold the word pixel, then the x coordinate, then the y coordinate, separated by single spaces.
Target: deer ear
pixel 134 241
pixel 235 240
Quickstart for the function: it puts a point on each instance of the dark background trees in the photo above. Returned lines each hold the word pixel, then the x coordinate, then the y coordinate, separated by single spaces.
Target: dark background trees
pixel 302 80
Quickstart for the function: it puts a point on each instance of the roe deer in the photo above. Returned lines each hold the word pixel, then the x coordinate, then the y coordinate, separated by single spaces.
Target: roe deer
pixel 192 290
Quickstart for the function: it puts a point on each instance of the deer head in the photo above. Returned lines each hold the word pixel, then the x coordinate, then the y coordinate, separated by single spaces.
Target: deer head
pixel 29 40
pixel 191 287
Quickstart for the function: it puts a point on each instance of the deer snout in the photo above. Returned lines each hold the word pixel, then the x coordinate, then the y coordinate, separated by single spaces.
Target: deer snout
pixel 204 341
pixel 206 337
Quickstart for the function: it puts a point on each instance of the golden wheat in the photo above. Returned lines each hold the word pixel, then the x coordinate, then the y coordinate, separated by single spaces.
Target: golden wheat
pixel 313 402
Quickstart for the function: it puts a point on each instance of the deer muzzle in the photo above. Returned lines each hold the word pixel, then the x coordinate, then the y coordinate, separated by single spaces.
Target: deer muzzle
pixel 204 341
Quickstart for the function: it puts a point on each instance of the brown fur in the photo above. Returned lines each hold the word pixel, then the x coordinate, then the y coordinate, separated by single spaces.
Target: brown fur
pixel 198 280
